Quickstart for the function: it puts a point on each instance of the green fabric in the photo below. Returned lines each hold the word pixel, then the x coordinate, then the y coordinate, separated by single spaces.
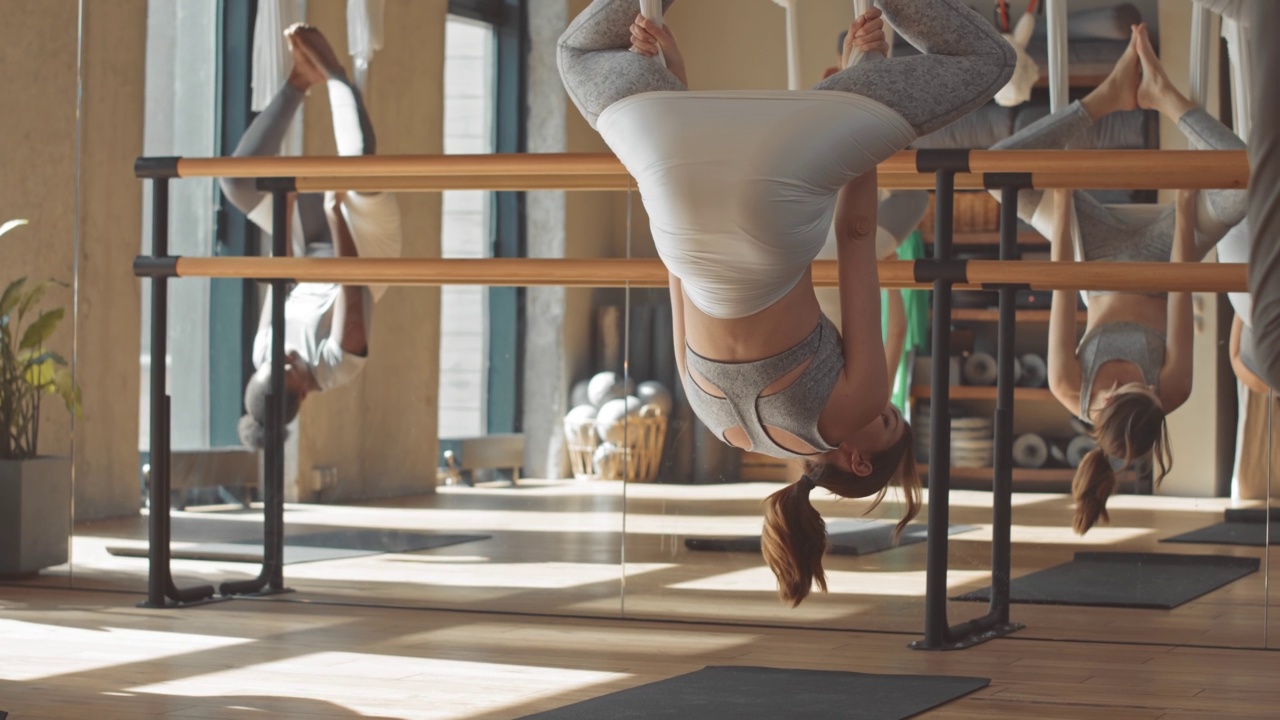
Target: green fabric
pixel 915 303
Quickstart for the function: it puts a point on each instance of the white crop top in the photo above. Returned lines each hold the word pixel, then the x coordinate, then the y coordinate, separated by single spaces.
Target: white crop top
pixel 740 186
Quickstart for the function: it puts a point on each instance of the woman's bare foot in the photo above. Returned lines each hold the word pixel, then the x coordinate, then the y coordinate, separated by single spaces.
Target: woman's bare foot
pixel 1156 91
pixel 309 41
pixel 1120 90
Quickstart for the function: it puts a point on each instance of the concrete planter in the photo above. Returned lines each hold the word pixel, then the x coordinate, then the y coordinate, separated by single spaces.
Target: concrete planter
pixel 35 514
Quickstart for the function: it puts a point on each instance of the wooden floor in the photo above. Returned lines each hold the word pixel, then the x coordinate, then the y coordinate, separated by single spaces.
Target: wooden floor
pixel 585 549
pixel 87 654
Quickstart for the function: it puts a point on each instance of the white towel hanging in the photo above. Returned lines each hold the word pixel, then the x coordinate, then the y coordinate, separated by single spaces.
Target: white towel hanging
pixel 364 35
pixel 1026 72
pixel 271 60
pixel 1201 21
pixel 1056 12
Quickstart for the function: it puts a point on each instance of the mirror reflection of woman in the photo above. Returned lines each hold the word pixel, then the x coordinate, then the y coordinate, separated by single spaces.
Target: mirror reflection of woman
pixel 1134 364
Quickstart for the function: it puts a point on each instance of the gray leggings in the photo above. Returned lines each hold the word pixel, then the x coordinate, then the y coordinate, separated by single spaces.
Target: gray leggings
pixel 353 133
pixel 1114 233
pixel 965 62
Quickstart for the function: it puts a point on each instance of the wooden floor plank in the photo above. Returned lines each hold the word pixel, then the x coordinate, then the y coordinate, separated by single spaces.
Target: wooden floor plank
pixel 255 659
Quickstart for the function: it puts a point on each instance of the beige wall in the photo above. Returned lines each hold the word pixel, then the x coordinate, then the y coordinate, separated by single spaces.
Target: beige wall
pixel 39 162
pixel 107 326
pixel 38 46
pixel 380 431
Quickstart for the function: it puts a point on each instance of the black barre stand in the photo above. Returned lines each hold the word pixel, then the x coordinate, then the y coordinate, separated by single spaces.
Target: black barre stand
pixel 944 271
pixel 162 592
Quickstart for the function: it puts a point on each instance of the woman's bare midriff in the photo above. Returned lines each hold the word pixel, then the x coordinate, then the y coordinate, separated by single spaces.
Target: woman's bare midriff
pixel 1123 307
pixel 1129 307
pixel 770 332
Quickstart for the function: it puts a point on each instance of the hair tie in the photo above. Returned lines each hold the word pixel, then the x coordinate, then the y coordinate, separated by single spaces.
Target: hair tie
pixel 806 482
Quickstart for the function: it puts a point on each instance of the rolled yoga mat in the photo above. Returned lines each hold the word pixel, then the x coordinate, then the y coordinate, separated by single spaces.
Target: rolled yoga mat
pixel 1035 372
pixel 1079 446
pixel 1030 451
pixel 980 369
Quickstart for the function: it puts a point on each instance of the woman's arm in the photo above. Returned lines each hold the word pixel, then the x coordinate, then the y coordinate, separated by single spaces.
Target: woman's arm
pixel 647 36
pixel 349 311
pixel 1179 352
pixel 1064 366
pixel 677 321
pixel 895 334
pixel 864 356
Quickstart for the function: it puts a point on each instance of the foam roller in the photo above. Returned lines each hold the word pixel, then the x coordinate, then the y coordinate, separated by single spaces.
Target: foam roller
pixel 1030 451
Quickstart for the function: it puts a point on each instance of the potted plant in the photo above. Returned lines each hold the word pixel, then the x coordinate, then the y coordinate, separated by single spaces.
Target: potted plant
pixel 35 490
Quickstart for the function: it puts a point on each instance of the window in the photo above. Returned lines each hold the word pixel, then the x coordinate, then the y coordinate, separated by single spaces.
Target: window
pixel 182 119
pixel 486 45
pixel 469 95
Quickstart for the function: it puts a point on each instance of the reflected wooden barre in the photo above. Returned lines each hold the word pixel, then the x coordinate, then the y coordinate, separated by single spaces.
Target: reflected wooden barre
pixel 621 272
pixel 1100 169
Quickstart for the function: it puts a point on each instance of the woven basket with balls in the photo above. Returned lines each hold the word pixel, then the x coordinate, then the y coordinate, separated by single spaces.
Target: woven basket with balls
pixel 617 435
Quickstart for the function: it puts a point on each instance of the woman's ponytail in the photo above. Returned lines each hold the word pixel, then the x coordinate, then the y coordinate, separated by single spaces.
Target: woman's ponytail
pixel 1095 481
pixel 794 540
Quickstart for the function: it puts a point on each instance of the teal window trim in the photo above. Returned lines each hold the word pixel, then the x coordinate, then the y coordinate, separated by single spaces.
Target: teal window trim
pixel 233 304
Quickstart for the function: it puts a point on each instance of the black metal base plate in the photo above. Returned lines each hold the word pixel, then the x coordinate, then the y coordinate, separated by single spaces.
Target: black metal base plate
pixel 265 592
pixel 974 639
pixel 175 605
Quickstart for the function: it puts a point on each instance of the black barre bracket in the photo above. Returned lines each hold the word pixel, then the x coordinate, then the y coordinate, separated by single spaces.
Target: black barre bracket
pixel 277 184
pixel 152 168
pixel 942 160
pixel 155 267
pixel 1015 181
pixel 944 271
pixel 948 270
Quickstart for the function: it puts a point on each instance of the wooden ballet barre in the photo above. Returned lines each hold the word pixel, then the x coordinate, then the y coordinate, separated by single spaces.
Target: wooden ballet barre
pixel 404 165
pixel 649 272
pixel 1093 169
pixel 615 183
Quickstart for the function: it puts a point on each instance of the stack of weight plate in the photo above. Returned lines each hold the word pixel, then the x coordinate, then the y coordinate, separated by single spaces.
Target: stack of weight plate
pixel 971 442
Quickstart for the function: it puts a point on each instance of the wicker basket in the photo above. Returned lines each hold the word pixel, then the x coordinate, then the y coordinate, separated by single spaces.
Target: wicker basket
pixel 639 459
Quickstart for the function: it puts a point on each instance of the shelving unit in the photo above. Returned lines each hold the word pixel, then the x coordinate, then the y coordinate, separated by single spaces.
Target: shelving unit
pixel 971 392
pixel 1027 237
pixel 1053 480
pixel 1036 409
pixel 1028 315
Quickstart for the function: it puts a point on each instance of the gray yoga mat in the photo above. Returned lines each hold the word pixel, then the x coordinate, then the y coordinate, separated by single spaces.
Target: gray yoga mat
pixel 313 547
pixel 756 693
pixel 1238 527
pixel 844 537
pixel 1130 580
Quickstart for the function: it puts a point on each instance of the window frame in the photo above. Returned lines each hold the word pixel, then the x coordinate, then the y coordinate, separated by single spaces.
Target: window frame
pixel 233 304
pixel 504 383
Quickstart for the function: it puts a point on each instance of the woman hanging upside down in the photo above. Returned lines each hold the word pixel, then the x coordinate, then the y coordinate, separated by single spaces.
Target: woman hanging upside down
pixel 1133 366
pixel 327 326
pixel 741 188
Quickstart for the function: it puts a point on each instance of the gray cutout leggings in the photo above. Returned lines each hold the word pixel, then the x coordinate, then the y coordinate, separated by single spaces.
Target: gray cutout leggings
pixel 1113 232
pixel 965 62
